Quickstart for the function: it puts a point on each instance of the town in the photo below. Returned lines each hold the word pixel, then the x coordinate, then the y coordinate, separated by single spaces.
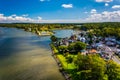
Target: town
pixel 107 47
pixel 78 54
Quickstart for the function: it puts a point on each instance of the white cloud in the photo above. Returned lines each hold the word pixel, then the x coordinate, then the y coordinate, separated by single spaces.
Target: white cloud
pixel 113 16
pixel 104 17
pixel 39 18
pixel 62 21
pixel 67 5
pixel 103 0
pixel 1 15
pixel 20 19
pixel 106 4
pixel 14 18
pixel 44 0
pixel 116 7
pixel 93 11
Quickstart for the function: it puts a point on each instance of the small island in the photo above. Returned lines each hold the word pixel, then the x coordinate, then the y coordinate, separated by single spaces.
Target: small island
pixel 43 31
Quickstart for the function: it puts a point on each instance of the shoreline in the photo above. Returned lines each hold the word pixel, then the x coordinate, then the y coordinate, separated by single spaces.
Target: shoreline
pixel 61 70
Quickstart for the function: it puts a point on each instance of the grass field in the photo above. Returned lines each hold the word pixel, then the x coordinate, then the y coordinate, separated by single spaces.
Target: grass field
pixel 64 62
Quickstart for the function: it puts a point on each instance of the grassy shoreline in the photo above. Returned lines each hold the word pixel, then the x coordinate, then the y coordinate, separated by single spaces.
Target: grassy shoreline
pixel 65 68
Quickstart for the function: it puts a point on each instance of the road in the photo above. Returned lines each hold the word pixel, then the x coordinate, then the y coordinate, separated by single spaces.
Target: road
pixel 115 58
pixel 111 51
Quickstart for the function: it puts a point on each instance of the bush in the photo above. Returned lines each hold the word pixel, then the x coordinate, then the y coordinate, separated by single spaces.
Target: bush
pixel 69 59
pixel 53 38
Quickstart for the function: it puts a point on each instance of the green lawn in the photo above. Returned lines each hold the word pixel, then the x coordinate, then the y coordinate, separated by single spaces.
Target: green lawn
pixel 64 63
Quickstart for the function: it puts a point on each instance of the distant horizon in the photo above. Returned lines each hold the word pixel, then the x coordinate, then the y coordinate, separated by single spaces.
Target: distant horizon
pixel 57 23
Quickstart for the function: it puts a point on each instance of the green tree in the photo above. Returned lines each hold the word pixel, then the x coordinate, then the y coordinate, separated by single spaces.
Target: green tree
pixel 62 49
pixel 113 71
pixel 69 59
pixel 79 46
pixel 53 38
pixel 71 47
pixel 91 67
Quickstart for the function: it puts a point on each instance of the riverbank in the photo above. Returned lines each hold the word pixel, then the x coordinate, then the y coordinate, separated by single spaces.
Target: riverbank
pixel 61 69
pixel 44 33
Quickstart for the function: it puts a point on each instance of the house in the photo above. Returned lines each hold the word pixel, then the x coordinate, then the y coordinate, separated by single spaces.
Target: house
pixel 118 42
pixel 99 45
pixel 83 39
pixel 30 29
pixel 83 52
pixel 110 43
pixel 113 39
pixel 92 51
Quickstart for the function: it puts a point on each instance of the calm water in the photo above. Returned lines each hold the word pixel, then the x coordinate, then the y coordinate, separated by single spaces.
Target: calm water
pixel 26 56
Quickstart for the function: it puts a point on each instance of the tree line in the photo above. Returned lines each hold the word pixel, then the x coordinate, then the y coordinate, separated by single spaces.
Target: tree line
pixel 35 25
pixel 102 29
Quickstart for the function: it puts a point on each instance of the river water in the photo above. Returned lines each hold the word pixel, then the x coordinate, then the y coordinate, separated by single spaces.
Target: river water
pixel 26 56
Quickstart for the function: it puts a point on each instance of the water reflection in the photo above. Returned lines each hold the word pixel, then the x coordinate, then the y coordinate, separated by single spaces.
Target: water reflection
pixel 63 33
pixel 26 56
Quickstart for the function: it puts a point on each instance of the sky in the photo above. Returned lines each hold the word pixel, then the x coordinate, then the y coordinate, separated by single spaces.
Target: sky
pixel 59 11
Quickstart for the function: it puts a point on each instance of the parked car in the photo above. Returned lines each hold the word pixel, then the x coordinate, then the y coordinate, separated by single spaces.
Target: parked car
pixel 109 43
pixel 118 52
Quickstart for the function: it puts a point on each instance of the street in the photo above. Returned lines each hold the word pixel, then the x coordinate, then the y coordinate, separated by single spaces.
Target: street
pixel 111 51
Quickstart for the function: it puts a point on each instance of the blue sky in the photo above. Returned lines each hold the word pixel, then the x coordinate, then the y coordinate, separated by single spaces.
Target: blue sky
pixel 51 11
